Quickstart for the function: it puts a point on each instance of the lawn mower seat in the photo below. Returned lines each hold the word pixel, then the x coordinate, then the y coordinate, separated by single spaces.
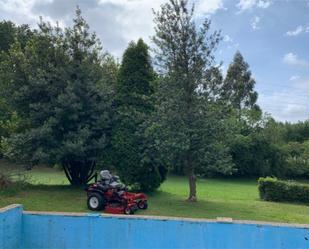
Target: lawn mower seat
pixel 110 181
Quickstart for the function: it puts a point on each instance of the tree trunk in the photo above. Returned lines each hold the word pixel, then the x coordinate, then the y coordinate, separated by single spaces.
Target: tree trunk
pixel 79 173
pixel 192 180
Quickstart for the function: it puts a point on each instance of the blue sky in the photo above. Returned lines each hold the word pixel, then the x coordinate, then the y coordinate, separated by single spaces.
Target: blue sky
pixel 272 35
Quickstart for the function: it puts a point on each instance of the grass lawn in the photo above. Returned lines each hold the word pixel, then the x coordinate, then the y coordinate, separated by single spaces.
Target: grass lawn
pixel 237 199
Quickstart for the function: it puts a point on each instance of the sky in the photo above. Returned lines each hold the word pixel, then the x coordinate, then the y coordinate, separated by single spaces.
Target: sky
pixel 272 35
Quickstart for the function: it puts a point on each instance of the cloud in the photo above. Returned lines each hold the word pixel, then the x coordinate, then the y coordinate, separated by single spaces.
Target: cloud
pixel 264 4
pixel 293 60
pixel 295 32
pixel 116 22
pixel 294 77
pixel 298 30
pixel 231 44
pixel 291 105
pixel 208 6
pixel 250 4
pixel 18 11
pixel 255 22
pixel 227 38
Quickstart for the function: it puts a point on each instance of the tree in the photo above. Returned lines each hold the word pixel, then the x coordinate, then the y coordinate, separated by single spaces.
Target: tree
pixel 9 32
pixel 132 158
pixel 189 121
pixel 238 88
pixel 255 155
pixel 56 87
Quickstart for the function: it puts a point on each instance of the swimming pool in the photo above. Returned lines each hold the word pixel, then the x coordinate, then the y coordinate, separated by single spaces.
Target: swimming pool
pixel 21 229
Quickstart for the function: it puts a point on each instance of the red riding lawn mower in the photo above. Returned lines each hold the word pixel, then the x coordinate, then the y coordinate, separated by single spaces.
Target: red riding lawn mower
pixel 112 196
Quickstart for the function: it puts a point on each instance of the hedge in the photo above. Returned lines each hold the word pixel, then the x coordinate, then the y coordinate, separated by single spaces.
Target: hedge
pixel 272 189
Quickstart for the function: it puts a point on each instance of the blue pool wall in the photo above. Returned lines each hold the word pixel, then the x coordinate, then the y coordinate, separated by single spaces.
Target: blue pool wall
pixel 68 230
pixel 10 227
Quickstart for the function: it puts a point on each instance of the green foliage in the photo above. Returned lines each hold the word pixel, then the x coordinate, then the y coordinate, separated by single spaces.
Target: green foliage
pixel 254 155
pixel 134 157
pixel 9 32
pixel 55 85
pixel 238 87
pixel 238 91
pixel 8 127
pixel 189 121
pixel 63 101
pixel 272 189
pixel 298 159
pixel 12 182
pixel 274 131
pixel 298 132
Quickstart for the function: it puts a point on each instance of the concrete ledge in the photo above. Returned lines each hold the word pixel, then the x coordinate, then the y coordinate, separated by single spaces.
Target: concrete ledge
pixel 167 218
pixel 4 209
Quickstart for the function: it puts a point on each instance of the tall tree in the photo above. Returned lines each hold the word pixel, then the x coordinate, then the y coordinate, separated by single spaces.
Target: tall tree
pixel 9 32
pixel 131 147
pixel 55 85
pixel 238 87
pixel 188 119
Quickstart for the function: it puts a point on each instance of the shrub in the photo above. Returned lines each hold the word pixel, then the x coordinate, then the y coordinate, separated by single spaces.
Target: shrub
pixel 11 183
pixel 255 155
pixel 5 181
pixel 297 163
pixel 272 189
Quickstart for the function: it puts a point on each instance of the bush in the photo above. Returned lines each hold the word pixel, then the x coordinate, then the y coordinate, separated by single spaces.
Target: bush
pixel 297 162
pixel 5 181
pixel 11 183
pixel 254 155
pixel 272 189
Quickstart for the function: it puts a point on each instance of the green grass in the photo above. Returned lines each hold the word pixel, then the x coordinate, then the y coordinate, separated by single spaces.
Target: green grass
pixel 237 199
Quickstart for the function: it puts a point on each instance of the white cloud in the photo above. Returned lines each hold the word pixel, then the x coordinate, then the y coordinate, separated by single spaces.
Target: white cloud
pixel 227 38
pixel 290 103
pixel 246 4
pixel 294 77
pixel 115 21
pixel 287 105
pixel 231 44
pixel 255 22
pixel 295 32
pixel 208 6
pixel 250 4
pixel 264 4
pixel 303 85
pixel 298 30
pixel 18 11
pixel 293 109
pixel 293 60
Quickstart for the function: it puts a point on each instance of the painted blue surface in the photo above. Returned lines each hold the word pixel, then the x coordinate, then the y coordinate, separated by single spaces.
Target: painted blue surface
pixel 10 228
pixel 51 231
pixel 95 231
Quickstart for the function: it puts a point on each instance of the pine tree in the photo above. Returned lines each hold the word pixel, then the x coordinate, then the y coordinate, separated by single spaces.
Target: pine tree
pixel 9 32
pixel 131 147
pixel 55 86
pixel 238 87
